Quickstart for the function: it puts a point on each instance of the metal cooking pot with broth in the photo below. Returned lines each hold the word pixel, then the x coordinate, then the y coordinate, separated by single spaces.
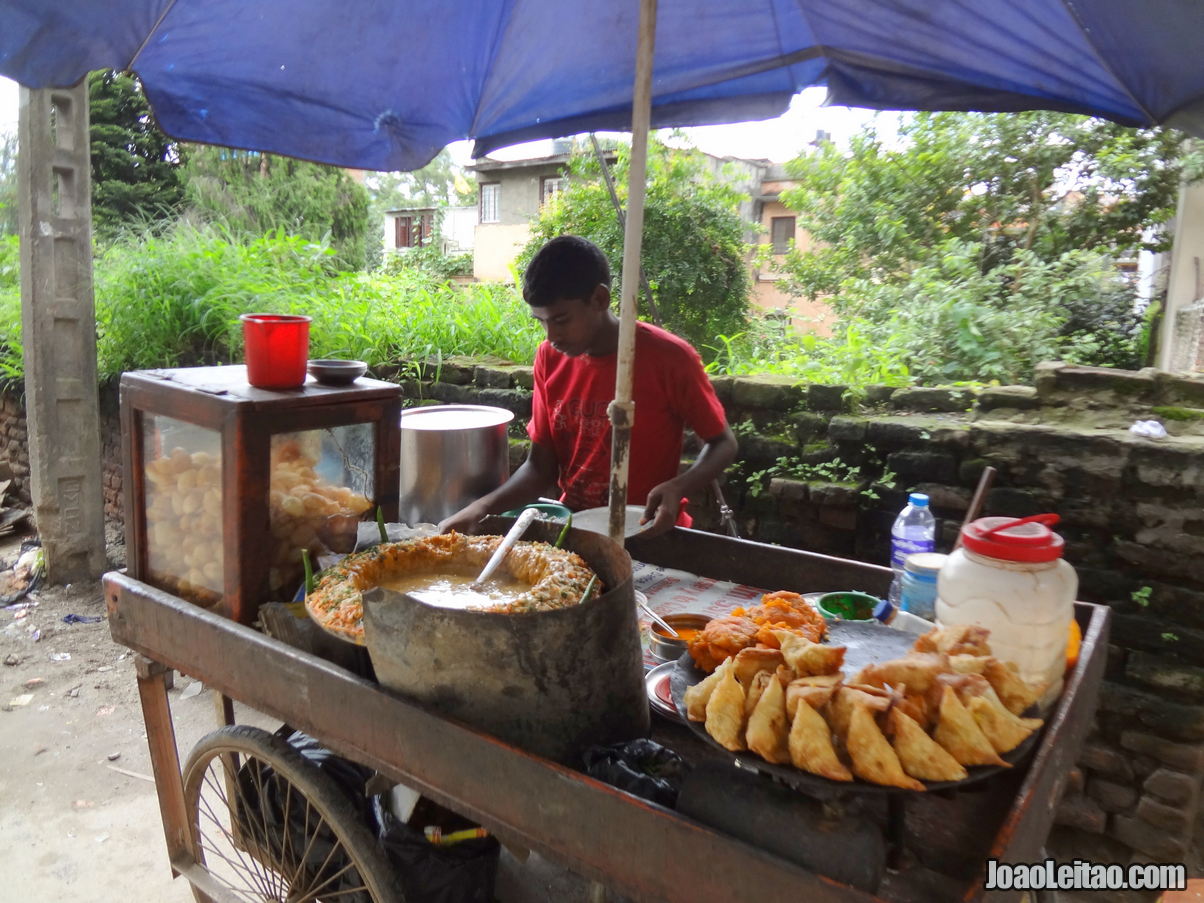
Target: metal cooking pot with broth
pixel 552 682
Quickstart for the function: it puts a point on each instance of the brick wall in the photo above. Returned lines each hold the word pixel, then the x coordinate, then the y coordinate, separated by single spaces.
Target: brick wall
pixel 819 472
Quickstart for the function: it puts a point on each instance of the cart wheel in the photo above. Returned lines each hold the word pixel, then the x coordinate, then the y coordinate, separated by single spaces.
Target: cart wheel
pixel 268 826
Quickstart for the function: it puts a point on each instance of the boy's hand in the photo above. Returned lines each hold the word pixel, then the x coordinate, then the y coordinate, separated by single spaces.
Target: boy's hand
pixel 463 520
pixel 660 513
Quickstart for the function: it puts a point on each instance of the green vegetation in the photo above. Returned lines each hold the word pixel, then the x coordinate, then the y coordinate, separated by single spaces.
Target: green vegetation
pixel 1166 412
pixel 835 470
pixel 251 194
pixel 174 299
pixel 135 167
pixel 986 242
pixel 975 248
pixel 8 185
pixel 693 252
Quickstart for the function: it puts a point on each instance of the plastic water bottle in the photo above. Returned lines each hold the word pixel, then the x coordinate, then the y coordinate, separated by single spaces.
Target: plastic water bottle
pixel 914 531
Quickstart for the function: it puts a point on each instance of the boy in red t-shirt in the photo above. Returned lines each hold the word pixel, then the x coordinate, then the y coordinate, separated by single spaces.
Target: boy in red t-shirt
pixel 567 285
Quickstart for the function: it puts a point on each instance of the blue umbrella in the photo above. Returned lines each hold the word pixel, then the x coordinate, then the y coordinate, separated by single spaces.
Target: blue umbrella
pixel 385 84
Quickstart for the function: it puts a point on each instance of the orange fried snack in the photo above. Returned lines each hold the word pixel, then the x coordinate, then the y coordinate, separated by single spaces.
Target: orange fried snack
pixel 721 639
pixel 785 611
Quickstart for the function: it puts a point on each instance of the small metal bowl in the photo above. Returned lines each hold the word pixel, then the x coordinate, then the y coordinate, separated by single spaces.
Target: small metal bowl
pixel 848 605
pixel 664 647
pixel 337 373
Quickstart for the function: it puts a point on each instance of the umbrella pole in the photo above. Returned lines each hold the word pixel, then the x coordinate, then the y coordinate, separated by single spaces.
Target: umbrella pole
pixel 622 409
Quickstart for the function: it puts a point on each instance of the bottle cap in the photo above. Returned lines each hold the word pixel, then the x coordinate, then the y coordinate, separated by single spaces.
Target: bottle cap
pixel 924 562
pixel 1027 539
pixel 918 500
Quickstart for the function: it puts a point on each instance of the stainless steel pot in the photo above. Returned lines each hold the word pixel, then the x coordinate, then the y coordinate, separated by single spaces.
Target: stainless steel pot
pixel 450 455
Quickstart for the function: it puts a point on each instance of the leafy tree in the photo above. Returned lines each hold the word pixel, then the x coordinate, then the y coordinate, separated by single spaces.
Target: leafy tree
pixel 251 194
pixel 135 167
pixel 8 184
pixel 979 218
pixel 438 184
pixel 693 249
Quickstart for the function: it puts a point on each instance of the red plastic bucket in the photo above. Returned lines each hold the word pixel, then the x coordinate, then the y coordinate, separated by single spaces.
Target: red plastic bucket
pixel 277 349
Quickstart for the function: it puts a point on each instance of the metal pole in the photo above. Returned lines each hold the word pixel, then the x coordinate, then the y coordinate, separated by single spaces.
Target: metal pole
pixel 622 409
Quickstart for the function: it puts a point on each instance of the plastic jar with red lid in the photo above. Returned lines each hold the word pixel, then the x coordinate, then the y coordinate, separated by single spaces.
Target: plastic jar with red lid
pixel 1008 575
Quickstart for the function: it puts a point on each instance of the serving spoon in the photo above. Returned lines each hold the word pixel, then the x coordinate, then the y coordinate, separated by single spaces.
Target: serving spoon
pixel 503 547
pixel 658 619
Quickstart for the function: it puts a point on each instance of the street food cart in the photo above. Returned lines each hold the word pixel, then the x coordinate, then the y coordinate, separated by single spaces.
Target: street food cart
pixel 936 843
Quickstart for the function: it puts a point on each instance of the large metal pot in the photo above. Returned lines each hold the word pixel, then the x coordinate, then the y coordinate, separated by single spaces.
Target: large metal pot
pixel 450 455
pixel 553 682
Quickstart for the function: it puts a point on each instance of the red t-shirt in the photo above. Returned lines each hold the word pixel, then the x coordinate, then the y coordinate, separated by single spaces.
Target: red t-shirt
pixel 568 414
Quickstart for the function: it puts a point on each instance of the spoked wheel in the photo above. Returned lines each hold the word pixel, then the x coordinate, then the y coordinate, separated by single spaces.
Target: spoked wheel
pixel 269 827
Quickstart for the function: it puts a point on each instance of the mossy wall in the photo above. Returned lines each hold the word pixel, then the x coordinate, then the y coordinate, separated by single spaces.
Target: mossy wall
pixel 817 471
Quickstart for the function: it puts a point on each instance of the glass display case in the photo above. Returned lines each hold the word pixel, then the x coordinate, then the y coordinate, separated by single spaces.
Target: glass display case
pixel 226 484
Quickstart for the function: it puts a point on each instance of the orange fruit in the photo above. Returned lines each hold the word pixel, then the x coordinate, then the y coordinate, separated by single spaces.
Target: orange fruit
pixel 1073 641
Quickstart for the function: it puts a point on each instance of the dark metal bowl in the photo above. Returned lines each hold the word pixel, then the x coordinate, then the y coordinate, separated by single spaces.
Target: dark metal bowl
pixel 666 648
pixel 337 373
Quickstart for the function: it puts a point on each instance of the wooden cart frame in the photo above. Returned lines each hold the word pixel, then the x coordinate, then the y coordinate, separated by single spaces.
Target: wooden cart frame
pixel 642 849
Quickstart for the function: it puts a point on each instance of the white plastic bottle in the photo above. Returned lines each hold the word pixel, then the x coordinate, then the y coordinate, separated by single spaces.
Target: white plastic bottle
pixel 1009 577
pixel 914 530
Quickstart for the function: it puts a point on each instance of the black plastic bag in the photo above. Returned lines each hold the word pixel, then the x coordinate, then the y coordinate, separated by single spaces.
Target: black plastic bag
pixel 277 821
pixel 462 872
pixel 642 767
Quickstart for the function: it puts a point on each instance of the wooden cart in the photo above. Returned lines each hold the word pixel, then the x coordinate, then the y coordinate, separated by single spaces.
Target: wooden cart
pixel 940 842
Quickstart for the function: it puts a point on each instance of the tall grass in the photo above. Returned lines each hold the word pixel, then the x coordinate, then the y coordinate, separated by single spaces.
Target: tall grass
pixel 173 299
pixel 11 352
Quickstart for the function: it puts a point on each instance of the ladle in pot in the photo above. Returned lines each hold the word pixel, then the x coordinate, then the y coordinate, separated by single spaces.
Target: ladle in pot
pixel 507 543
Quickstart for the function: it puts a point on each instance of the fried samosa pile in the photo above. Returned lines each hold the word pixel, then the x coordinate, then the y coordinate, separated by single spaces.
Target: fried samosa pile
pixel 946 705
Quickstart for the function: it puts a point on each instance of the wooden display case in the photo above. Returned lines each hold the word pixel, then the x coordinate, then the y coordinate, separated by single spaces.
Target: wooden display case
pixel 226 483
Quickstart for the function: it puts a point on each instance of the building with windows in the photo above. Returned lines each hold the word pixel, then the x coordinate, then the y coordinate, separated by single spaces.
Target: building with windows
pixel 512 192
pixel 414 227
pixel 778 233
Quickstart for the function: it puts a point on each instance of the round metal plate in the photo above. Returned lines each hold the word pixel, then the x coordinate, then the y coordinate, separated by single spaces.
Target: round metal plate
pixel 660 696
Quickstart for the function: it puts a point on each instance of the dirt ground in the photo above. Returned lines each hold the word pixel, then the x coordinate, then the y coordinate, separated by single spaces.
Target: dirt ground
pixel 79 819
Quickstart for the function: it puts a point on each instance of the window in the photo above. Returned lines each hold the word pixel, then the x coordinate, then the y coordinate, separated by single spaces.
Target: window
pixel 491 195
pixel 411 231
pixel 402 231
pixel 781 233
pixel 549 187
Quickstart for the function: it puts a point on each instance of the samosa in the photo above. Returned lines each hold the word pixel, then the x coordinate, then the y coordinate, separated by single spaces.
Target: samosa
pixel 725 718
pixel 873 758
pixel 920 755
pixel 768 728
pixel 959 734
pixel 810 745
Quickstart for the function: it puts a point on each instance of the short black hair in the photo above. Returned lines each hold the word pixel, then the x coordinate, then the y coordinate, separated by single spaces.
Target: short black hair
pixel 568 266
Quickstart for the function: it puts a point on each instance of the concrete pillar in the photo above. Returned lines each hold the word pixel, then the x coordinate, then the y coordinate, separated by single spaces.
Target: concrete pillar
pixel 59 331
pixel 1181 342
